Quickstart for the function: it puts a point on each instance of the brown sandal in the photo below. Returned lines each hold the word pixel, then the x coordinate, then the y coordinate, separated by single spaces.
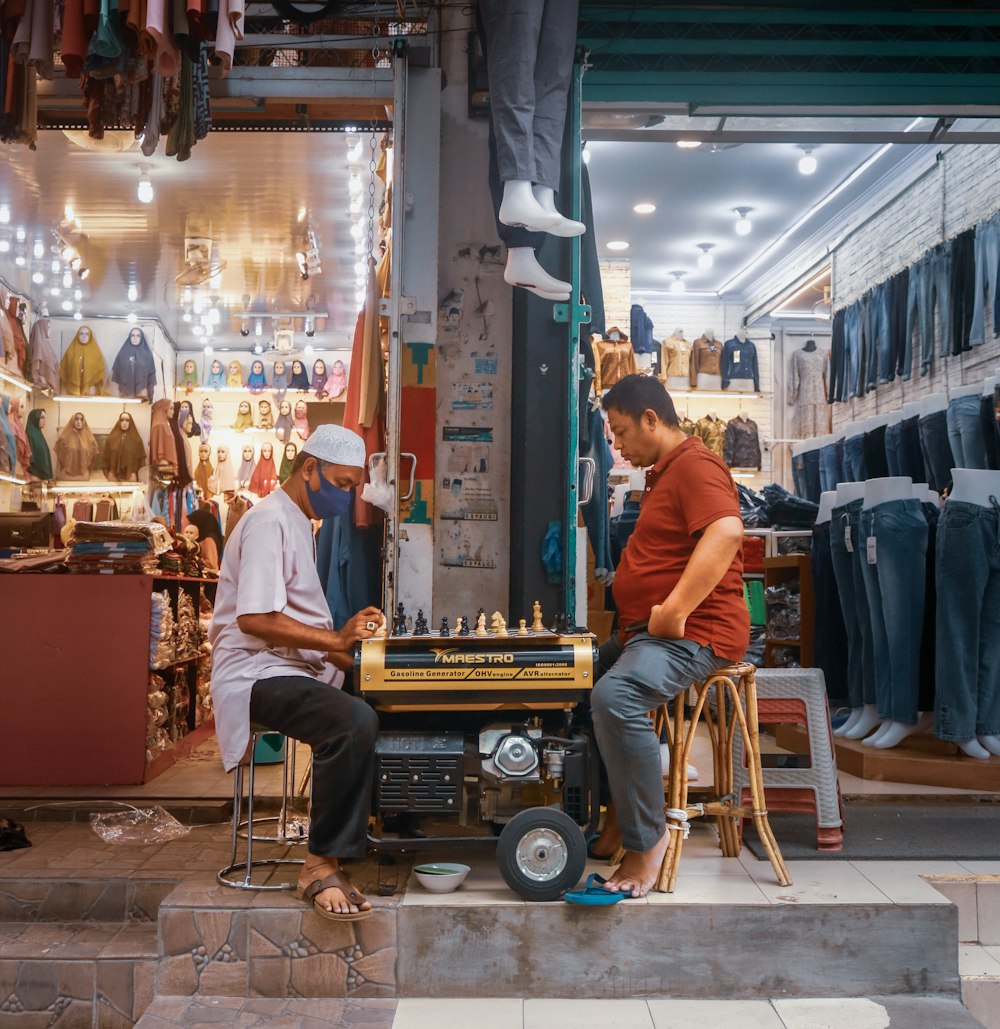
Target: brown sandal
pixel 339 881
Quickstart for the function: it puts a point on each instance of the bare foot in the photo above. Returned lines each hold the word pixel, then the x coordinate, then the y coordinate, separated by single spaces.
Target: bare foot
pixel 610 840
pixel 332 899
pixel 638 872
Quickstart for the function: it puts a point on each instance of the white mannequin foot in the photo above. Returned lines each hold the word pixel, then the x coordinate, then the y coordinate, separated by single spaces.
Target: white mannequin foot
pixel 867 721
pixel 665 763
pixel 898 731
pixel 852 720
pixel 991 743
pixel 524 270
pixel 871 741
pixel 974 749
pixel 521 208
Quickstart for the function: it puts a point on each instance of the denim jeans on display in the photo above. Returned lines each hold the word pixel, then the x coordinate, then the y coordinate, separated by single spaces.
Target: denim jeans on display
pixel 965 432
pixel 963 292
pixel 805 475
pixel 837 386
pixel 891 342
pixel 852 342
pixel 853 603
pixel 895 585
pixel 649 672
pixel 986 279
pixel 876 466
pixel 893 436
pixel 799 483
pixel 929 288
pixel 868 360
pixel 928 633
pixel 909 454
pixel 987 423
pixel 968 622
pixel 854 459
pixel 830 474
pixel 936 449
pixel 830 635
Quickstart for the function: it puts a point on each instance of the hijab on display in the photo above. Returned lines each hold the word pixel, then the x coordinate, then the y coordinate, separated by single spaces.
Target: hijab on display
pixel 245 474
pixel 20 436
pixel 283 426
pixel 162 448
pixel 225 474
pixel 82 371
pixel 207 414
pixel 189 375
pixel 44 366
pixel 301 419
pixel 265 478
pixel 76 449
pixel 185 409
pixel 299 379
pixel 279 377
pixel 244 417
pixel 124 452
pixel 208 527
pixel 216 375
pixel 177 423
pixel 41 457
pixel 291 452
pixel 234 376
pixel 16 312
pixel 337 383
pixel 204 472
pixel 256 380
pixel 319 377
pixel 134 368
pixel 265 415
pixel 8 444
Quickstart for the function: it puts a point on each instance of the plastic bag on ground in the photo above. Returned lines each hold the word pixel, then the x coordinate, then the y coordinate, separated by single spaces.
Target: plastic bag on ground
pixel 141 826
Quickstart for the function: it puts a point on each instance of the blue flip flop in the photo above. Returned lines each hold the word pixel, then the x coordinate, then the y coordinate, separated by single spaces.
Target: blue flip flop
pixel 593 894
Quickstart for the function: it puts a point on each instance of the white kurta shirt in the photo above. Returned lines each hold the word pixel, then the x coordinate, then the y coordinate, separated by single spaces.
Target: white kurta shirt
pixel 269 565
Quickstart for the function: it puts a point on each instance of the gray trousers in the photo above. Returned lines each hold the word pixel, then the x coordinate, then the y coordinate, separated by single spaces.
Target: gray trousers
pixel 648 672
pixel 529 59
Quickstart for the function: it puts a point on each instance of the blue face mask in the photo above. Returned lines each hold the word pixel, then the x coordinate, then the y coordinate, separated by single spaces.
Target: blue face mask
pixel 328 501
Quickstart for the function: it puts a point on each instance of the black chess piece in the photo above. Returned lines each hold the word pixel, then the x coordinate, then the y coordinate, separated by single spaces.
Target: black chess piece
pixel 420 626
pixel 399 622
pixel 464 631
pixel 444 630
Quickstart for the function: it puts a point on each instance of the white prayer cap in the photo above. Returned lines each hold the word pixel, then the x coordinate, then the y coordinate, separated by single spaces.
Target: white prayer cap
pixel 337 445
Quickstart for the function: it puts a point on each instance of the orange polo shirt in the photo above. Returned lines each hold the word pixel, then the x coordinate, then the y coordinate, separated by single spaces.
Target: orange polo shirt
pixel 685 491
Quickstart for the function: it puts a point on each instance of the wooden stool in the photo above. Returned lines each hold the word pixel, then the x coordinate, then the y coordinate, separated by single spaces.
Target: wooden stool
pixel 729 682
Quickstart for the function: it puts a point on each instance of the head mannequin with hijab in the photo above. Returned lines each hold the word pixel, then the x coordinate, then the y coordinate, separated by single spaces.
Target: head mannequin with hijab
pixel 300 419
pixel 204 471
pixel 216 375
pixel 124 453
pixel 265 415
pixel 186 411
pixel 283 426
pixel 207 414
pixel 290 453
pixel 245 472
pixel 244 417
pixel 82 371
pixel 41 457
pixel 225 473
pixel 256 380
pixel 299 380
pixel 234 377
pixel 337 383
pixel 76 449
pixel 134 368
pixel 265 477
pixel 189 375
pixel 319 377
pixel 162 446
pixel 280 378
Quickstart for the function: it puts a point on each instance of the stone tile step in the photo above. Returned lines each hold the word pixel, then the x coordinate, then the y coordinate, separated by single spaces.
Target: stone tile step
pixel 291 1013
pixel 977 897
pixel 60 897
pixel 190 811
pixel 981 995
pixel 76 941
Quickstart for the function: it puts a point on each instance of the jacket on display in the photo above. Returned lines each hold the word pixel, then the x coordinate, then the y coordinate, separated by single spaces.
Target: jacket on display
pixel 613 360
pixel 675 358
pixel 706 358
pixel 739 361
pixel 641 330
pixel 741 444
pixel 712 431
pixel 134 368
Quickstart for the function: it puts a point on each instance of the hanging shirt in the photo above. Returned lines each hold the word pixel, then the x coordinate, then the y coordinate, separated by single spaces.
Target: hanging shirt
pixel 712 432
pixel 706 358
pixel 741 445
pixel 613 360
pixel 739 361
pixel 269 565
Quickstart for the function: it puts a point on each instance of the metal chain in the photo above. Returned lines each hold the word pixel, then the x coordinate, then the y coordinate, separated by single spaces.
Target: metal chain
pixel 373 141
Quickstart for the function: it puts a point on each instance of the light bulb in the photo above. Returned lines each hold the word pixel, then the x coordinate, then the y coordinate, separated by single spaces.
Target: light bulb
pixel 78 315
pixel 133 293
pixel 705 260
pixel 258 349
pixel 84 274
pixel 21 235
pixel 807 163
pixel 69 214
pixel 56 291
pixel 67 305
pixel 77 294
pixel 20 260
pixel 307 350
pixel 132 317
pixel 644 208
pixel 39 250
pixel 55 267
pixel 354 185
pixel 617 244
pixel 258 327
pixel 360 268
pixel 4 245
pixel 38 278
pixel 677 286
pixel 215 316
pixel 689 144
pixel 743 224
pixel 357 230
pixel 4 214
pixel 145 191
pixel 209 351
pixel 586 155
pixel 197 330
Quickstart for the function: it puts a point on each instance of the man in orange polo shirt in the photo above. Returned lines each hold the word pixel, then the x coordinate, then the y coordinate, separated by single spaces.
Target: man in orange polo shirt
pixel 681 612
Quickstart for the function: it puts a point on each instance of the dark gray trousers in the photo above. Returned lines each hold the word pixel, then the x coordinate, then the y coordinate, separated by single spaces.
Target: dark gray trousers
pixel 529 59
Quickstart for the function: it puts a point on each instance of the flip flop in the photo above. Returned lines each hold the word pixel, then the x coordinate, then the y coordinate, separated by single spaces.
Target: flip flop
pixel 339 881
pixel 593 894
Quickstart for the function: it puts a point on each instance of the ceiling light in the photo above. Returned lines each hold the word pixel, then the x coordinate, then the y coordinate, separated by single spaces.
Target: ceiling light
pixel 133 293
pixel 67 305
pixel 4 244
pixel 4 214
pixel 307 350
pixel 56 265
pixel 244 326
pixel 706 260
pixel 617 244
pixel 55 291
pixel 145 191
pixel 807 163
pixel 78 315
pixel 743 224
pixel 689 144
pixel 301 216
pixel 357 230
pixel 209 351
pixel 38 277
pixel 677 286
pixel 354 185
pixel 69 215
pixel 77 294
pixel 186 316
pixel 20 260
pixel 39 250
pixel 356 203
pixel 197 330
pixel 354 152
pixel 258 348
pixel 310 326
pixel 21 235
pixel 644 208
pixel 258 327
pixel 131 317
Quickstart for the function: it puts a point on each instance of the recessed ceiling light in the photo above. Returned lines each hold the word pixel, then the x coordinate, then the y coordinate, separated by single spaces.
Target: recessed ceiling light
pixel 689 144
pixel 644 208
pixel 617 244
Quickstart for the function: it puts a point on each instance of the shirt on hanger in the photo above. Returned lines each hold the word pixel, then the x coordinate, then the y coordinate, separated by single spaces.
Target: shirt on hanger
pixel 741 444
pixel 739 361
pixel 613 360
pixel 712 432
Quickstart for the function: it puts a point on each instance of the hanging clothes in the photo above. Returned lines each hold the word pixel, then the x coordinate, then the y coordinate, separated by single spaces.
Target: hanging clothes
pixel 134 368
pixel 82 371
pixel 675 358
pixel 76 449
pixel 124 452
pixel 712 431
pixel 345 556
pixel 162 448
pixel 40 465
pixel 613 360
pixel 741 444
pixel 44 370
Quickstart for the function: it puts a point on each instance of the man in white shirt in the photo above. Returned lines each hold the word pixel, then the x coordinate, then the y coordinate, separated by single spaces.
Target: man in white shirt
pixel 275 656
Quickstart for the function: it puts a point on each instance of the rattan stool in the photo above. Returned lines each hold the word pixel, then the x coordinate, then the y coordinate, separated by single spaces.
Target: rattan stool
pixel 736 704
pixel 246 830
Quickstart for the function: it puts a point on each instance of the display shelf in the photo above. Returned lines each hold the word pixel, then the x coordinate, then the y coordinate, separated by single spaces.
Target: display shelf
pixel 21 383
pixel 791 569
pixel 704 394
pixel 63 398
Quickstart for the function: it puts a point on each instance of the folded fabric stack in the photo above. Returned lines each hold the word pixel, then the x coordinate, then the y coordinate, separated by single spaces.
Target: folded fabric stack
pixel 116 547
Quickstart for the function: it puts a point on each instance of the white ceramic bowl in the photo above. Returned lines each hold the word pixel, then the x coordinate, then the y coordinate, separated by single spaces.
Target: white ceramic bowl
pixel 440 876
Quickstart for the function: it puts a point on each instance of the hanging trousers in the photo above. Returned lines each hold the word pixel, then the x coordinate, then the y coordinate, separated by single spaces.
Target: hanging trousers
pixel 529 60
pixel 987 258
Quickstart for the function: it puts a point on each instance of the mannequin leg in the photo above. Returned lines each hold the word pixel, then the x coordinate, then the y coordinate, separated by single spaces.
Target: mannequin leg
pixel 863 726
pixel 520 207
pixel 546 198
pixel 991 743
pixel 524 270
pixel 870 741
pixel 974 749
pixel 898 731
pixel 852 719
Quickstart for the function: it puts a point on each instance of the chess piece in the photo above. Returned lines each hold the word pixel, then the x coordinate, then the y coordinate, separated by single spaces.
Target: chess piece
pixel 536 625
pixel 399 622
pixel 522 627
pixel 502 628
pixel 458 626
pixel 420 627
pixel 463 626
pixel 481 624
pixel 444 630
pixel 495 624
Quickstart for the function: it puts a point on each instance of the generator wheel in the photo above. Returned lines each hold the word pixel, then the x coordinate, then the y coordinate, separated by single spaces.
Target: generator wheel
pixel 541 853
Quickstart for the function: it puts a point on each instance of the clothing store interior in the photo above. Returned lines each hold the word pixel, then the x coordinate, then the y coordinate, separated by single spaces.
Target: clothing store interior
pixel 188 295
